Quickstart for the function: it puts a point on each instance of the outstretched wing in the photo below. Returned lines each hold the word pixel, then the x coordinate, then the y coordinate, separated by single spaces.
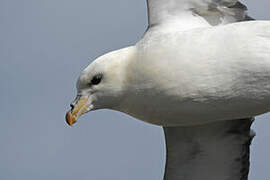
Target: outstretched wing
pixel 222 147
pixel 190 12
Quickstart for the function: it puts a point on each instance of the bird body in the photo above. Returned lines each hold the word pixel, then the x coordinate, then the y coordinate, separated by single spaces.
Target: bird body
pixel 202 71
pixel 202 75
pixel 198 62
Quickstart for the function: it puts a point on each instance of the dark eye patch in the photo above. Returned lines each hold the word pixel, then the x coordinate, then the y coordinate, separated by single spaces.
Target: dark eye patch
pixel 96 79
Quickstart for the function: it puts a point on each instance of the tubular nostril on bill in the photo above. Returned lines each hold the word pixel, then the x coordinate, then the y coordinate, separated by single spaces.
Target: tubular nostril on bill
pixel 72 106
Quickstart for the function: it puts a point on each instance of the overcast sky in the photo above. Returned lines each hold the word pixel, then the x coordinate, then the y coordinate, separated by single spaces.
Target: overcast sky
pixel 44 45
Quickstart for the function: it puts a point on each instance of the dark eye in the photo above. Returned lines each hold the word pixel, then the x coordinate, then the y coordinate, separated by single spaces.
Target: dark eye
pixel 96 79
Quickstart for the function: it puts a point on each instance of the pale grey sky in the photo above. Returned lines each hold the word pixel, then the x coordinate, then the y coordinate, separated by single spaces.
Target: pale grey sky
pixel 44 45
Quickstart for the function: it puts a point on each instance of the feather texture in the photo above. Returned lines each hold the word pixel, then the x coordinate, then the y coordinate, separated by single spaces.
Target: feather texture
pixel 199 12
pixel 217 151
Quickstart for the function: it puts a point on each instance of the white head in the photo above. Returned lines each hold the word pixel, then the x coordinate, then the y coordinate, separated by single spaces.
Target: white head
pixel 101 85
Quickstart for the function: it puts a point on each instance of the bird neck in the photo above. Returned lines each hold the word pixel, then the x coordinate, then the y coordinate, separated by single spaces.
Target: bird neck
pixel 216 151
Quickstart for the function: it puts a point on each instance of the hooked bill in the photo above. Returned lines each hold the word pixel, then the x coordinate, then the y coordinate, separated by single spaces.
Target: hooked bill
pixel 73 115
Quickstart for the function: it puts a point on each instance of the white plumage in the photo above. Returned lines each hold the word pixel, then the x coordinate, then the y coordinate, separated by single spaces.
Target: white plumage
pixel 202 75
pixel 198 63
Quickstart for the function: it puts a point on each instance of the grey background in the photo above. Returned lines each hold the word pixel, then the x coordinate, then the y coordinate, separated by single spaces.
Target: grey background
pixel 44 44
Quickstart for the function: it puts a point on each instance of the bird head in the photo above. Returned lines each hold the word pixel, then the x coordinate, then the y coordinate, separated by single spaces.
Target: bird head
pixel 100 85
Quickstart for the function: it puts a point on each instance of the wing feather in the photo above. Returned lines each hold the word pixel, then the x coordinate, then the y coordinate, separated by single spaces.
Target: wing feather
pixel 213 12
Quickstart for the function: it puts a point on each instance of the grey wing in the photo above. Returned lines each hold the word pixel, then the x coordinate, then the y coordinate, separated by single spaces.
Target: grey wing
pixel 221 146
pixel 215 12
pixel 240 7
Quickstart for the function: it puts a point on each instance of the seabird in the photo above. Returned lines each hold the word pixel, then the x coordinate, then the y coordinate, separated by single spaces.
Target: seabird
pixel 201 71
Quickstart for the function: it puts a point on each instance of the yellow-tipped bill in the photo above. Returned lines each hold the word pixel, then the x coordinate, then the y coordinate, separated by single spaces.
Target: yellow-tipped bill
pixel 80 107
